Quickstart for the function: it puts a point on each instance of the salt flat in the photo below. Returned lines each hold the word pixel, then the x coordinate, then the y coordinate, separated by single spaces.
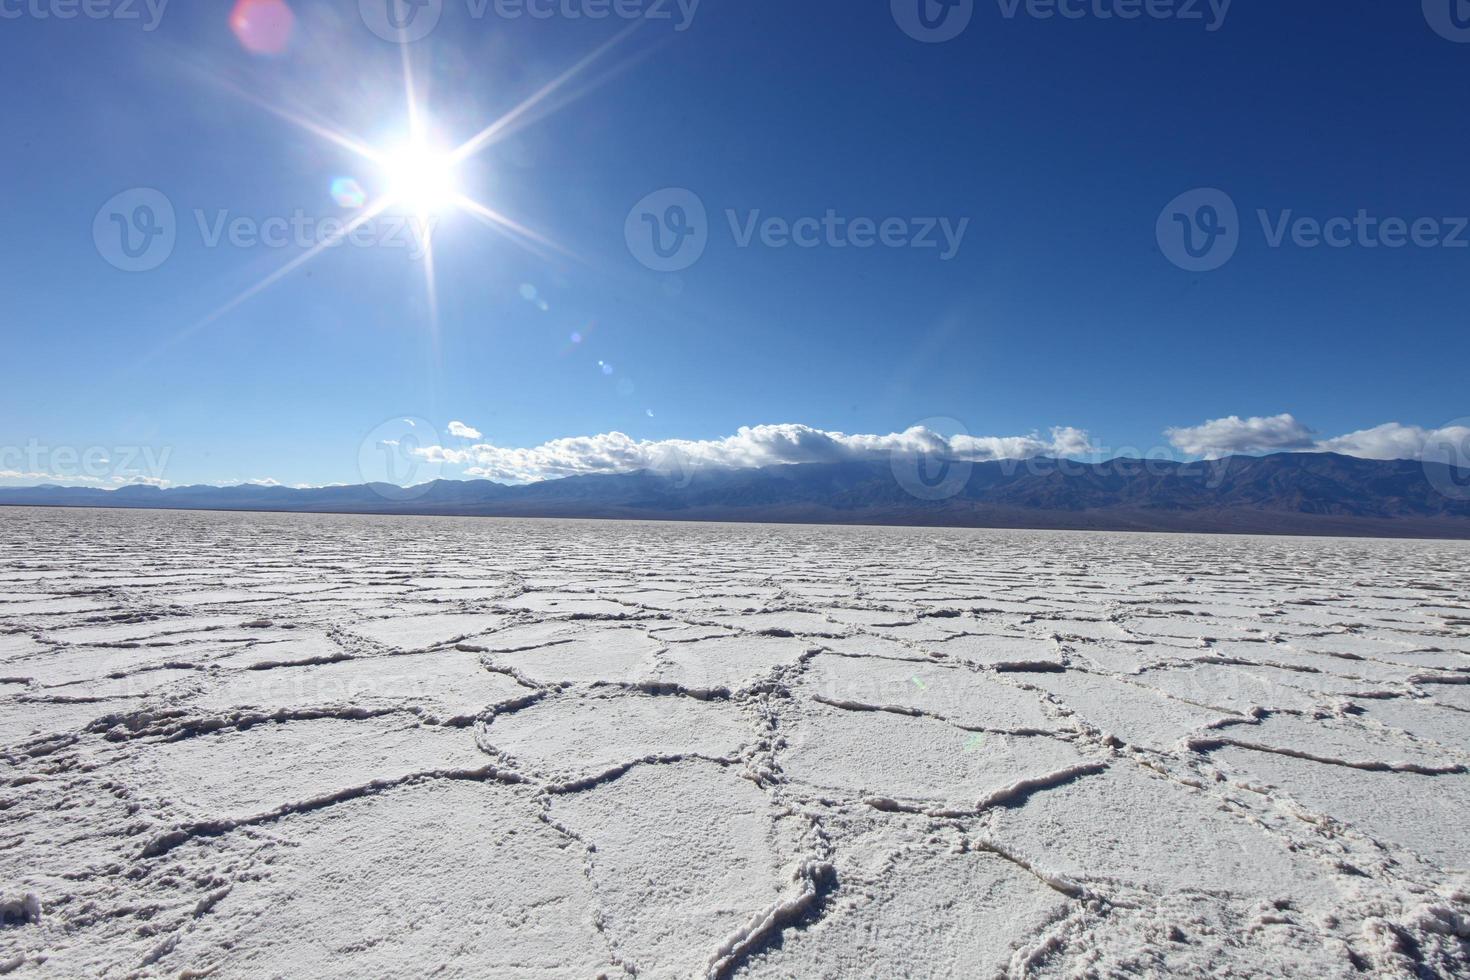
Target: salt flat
pixel 243 745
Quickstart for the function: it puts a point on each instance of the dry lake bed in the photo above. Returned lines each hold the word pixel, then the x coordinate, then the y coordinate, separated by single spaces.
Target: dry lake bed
pixel 257 746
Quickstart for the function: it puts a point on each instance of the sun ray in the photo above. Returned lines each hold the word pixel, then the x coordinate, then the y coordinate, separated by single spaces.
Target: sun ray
pixel 501 127
pixel 316 129
pixel 430 282
pixel 510 228
pixel 330 241
pixel 415 120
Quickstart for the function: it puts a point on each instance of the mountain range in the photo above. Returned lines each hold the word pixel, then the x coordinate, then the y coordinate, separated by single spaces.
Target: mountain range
pixel 1285 493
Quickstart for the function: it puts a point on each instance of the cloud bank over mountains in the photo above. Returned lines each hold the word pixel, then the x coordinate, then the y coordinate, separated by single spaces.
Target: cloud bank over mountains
pixel 769 445
pixel 1284 433
pixel 750 447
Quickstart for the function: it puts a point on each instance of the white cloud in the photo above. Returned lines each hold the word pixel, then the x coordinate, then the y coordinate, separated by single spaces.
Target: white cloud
pixel 264 482
pixel 1396 441
pixel 1281 433
pixel 753 446
pixel 462 431
pixel 131 479
pixel 1222 437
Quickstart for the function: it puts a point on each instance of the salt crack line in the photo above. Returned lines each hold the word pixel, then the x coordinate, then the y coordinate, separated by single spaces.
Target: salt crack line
pixel 1205 745
pixel 165 842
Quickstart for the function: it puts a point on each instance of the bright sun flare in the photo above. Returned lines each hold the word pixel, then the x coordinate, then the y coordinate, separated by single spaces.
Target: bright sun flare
pixel 421 178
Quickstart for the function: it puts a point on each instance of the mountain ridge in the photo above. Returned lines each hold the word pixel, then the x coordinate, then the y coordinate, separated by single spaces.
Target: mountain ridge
pixel 1284 493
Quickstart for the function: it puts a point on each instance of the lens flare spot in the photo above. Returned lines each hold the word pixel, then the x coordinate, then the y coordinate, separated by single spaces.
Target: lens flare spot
pixel 263 26
pixel 348 193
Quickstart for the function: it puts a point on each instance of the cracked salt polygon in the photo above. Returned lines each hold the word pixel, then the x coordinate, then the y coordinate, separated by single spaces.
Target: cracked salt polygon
pixel 1005 652
pixel 410 634
pixel 569 605
pixel 163 630
pixel 1342 740
pixel 881 756
pixel 448 685
pixel 792 623
pixel 450 877
pixel 241 773
pixel 1189 630
pixel 867 645
pixel 686 855
pixel 727 663
pixel 1421 718
pixel 957 694
pixel 1135 827
pixel 22 720
pixel 280 649
pixel 930 914
pixel 591 654
pixel 568 738
pixel 1450 695
pixel 870 617
pixel 14 646
pixel 1428 815
pixel 1241 688
pixel 1135 715
pixel 142 683
pixel 1084 629
pixel 68 665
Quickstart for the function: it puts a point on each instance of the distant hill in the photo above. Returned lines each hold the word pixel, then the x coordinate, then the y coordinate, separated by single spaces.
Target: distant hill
pixel 1287 493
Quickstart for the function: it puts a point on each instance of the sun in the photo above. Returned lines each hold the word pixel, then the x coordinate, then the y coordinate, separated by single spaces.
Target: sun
pixel 421 177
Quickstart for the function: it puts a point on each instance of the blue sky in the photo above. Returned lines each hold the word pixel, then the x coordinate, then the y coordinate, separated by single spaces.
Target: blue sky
pixel 1057 142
